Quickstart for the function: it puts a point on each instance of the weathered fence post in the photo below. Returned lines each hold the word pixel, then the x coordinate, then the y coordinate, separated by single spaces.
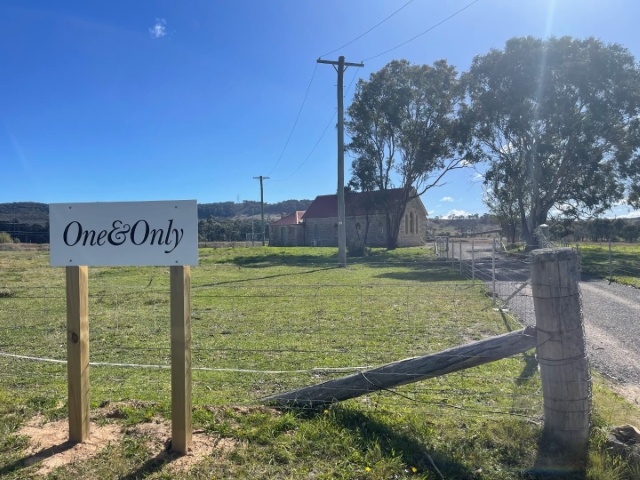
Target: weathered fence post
pixel 473 260
pixel 409 370
pixel 610 264
pixel 181 381
pixel 460 252
pixel 453 252
pixel 564 369
pixel 493 270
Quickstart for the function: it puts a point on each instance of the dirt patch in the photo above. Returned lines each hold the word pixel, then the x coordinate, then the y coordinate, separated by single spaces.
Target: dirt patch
pixel 627 391
pixel 158 436
pixel 49 447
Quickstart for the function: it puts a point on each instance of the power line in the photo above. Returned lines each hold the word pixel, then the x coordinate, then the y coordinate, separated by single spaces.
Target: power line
pixel 304 100
pixel 340 66
pixel 355 74
pixel 363 34
pixel 426 31
pixel 311 152
pixel 261 178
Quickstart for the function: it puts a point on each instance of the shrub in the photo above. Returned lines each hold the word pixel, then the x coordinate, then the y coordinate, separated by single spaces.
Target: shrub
pixel 5 238
pixel 357 249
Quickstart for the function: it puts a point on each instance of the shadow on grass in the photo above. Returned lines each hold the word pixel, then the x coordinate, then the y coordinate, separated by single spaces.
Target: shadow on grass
pixel 314 256
pixel 529 369
pixel 555 463
pixel 394 443
pixel 152 465
pixel 596 262
pixel 266 277
pixel 278 258
pixel 36 457
pixel 423 272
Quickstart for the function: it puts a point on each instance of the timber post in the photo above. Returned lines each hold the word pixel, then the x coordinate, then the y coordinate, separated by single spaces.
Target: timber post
pixel 181 384
pixel 407 371
pixel 77 279
pixel 473 260
pixel 564 369
pixel 493 270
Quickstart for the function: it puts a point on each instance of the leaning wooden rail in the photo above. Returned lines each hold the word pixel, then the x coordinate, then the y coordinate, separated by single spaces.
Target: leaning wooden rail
pixel 409 370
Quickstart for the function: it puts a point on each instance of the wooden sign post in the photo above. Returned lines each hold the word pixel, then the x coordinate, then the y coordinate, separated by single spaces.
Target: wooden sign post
pixel 180 358
pixel 78 352
pixel 126 233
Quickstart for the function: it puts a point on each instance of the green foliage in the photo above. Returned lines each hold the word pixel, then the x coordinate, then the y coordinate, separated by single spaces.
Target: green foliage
pixel 248 208
pixel 558 122
pixel 5 238
pixel 404 132
pixel 27 212
pixel 227 229
pixel 358 249
pixel 24 232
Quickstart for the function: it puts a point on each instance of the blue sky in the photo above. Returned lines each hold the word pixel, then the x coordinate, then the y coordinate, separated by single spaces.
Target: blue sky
pixel 157 100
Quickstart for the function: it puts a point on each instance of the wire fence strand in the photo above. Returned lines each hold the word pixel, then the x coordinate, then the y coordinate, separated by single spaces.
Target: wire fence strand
pixel 263 330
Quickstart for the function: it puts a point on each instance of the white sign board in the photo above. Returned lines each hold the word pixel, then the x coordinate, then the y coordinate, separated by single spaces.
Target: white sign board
pixel 124 233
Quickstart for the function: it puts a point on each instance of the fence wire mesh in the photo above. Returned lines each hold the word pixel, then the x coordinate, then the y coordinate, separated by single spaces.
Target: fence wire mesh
pixel 506 277
pixel 263 329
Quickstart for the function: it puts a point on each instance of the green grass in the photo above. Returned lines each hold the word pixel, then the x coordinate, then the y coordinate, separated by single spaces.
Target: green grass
pixel 266 320
pixel 621 264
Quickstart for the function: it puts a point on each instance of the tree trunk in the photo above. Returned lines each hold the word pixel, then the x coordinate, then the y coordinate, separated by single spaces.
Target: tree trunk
pixel 367 223
pixel 395 212
pixel 529 226
pixel 393 231
pixel 527 236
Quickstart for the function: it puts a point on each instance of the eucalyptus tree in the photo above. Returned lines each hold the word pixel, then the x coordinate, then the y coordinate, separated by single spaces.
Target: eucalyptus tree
pixel 503 207
pixel 405 133
pixel 558 122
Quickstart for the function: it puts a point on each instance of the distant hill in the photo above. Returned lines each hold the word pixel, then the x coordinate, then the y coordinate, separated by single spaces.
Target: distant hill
pixel 38 213
pixel 249 209
pixel 24 212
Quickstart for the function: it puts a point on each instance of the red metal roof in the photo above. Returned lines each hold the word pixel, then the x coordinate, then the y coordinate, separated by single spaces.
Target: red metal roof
pixel 292 219
pixel 355 203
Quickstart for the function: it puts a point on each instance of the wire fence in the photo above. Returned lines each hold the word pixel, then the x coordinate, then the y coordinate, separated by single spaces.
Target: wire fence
pixel 615 262
pixel 506 277
pixel 262 330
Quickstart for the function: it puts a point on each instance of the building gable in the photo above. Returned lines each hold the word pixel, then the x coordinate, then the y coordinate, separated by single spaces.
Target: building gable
pixel 356 204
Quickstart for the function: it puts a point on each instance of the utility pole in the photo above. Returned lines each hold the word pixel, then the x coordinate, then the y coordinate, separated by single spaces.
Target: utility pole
pixel 340 67
pixel 261 178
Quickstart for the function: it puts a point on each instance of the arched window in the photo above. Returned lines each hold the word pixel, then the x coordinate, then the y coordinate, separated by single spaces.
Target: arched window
pixel 411 222
pixel 406 223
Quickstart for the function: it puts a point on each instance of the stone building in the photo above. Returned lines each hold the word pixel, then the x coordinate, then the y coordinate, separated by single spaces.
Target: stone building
pixel 288 231
pixel 364 215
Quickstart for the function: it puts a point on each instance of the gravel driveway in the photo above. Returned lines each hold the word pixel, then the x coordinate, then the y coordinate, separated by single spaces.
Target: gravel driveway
pixel 611 314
